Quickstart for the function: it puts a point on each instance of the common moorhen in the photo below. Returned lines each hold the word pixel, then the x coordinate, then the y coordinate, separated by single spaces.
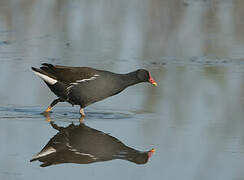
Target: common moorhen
pixel 81 144
pixel 84 85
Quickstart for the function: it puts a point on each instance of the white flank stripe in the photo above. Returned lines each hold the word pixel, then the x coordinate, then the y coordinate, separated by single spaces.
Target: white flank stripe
pixel 119 156
pixel 80 81
pixel 84 80
pixel 123 152
pixel 67 144
pixel 74 150
pixel 69 87
pixel 47 79
pixel 85 154
pixel 80 153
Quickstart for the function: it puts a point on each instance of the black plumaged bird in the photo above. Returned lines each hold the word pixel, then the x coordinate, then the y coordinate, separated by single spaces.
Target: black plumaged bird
pixel 81 144
pixel 84 86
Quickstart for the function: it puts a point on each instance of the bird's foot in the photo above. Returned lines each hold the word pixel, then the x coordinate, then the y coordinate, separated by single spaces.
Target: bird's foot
pixel 47 116
pixel 47 111
pixel 48 119
pixel 49 108
pixel 82 113
pixel 82 119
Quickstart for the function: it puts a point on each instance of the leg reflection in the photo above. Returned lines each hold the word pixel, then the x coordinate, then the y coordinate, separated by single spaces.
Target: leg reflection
pixel 47 116
pixel 82 119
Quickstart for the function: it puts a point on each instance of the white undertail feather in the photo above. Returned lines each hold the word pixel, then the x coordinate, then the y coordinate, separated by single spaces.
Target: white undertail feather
pixel 46 152
pixel 47 79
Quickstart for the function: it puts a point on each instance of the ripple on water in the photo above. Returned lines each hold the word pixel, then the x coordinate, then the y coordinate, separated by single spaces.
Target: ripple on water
pixel 61 113
pixel 198 60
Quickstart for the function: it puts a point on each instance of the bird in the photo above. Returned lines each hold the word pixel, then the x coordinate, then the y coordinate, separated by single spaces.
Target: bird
pixel 85 85
pixel 82 144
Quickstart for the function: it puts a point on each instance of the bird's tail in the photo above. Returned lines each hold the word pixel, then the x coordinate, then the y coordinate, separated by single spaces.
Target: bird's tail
pixel 44 75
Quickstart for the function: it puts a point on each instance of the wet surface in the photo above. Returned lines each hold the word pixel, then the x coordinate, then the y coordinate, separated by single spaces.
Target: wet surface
pixel 81 144
pixel 194 118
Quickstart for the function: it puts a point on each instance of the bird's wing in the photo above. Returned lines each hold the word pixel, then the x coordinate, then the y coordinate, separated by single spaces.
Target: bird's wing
pixel 70 75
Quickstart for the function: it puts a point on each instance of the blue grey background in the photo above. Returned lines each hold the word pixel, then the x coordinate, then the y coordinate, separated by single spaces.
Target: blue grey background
pixel 194 49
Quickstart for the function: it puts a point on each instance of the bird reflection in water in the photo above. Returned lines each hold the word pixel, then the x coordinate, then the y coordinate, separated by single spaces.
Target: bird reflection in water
pixel 82 145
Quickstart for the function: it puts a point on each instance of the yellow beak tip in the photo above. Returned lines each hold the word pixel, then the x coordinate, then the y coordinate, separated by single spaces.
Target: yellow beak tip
pixel 153 150
pixel 155 84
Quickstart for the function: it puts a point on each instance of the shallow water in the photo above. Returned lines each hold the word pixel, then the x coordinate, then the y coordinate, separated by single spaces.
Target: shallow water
pixel 194 118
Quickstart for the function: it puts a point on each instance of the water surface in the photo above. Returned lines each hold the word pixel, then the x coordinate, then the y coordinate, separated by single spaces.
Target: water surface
pixel 193 49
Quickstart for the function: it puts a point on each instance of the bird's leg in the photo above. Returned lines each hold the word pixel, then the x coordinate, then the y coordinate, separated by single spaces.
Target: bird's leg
pixel 82 113
pixel 52 104
pixel 48 118
pixel 55 126
pixel 82 119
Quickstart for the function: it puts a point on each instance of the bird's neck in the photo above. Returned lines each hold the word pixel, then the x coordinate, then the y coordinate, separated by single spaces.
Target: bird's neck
pixel 130 79
pixel 132 155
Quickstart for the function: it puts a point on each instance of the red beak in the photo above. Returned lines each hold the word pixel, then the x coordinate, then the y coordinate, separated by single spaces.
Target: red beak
pixel 152 81
pixel 150 153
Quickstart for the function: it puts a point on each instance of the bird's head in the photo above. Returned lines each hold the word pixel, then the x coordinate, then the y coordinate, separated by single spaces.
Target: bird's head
pixel 145 76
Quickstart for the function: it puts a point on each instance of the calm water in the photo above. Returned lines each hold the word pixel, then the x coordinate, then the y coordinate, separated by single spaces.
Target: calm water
pixel 194 118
